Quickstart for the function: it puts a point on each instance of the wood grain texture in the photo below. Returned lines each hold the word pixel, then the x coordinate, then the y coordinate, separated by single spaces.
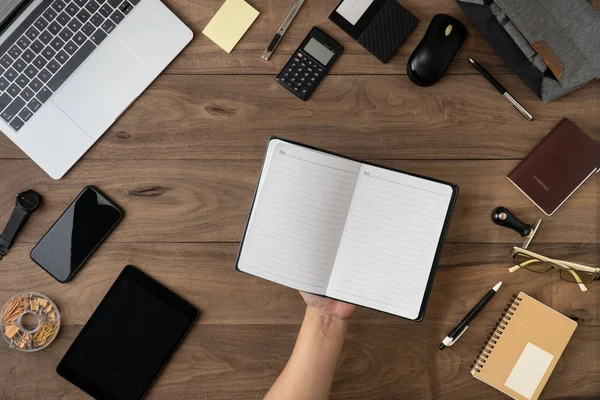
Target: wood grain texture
pixel 204 274
pixel 377 362
pixel 209 200
pixel 183 163
pixel 366 117
pixel 203 56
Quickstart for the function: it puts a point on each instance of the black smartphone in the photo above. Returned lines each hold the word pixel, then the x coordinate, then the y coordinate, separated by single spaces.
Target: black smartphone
pixel 76 235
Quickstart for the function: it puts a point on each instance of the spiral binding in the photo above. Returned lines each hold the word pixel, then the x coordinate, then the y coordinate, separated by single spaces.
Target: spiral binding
pixel 496 333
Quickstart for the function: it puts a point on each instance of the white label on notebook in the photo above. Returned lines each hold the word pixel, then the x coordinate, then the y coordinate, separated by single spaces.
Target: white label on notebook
pixel 529 370
pixel 352 10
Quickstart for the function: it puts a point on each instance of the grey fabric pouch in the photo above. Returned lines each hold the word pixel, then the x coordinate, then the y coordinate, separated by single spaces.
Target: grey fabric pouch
pixel 553 45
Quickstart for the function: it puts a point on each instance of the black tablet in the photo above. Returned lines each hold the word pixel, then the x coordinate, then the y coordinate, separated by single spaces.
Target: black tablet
pixel 128 339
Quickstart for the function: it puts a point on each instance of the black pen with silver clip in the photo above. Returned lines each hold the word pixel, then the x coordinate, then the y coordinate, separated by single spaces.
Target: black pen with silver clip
pixel 502 90
pixel 282 29
pixel 464 323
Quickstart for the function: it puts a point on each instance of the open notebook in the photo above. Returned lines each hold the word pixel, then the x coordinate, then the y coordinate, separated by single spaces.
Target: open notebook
pixel 345 229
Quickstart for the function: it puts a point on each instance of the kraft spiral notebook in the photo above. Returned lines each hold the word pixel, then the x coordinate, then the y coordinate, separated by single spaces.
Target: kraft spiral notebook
pixel 350 230
pixel 524 348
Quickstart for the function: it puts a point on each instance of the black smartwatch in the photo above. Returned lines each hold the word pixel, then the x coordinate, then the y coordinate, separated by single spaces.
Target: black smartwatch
pixel 27 202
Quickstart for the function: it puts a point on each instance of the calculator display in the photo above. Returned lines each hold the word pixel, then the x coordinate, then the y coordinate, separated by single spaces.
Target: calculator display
pixel 321 53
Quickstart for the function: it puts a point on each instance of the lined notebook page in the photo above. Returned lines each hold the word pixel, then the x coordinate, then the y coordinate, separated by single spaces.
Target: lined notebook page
pixel 298 217
pixel 388 246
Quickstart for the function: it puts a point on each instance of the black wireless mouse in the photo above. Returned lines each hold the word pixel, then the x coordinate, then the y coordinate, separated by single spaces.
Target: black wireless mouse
pixel 432 57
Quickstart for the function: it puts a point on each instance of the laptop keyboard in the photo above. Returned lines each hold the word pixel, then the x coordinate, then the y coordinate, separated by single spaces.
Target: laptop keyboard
pixel 48 47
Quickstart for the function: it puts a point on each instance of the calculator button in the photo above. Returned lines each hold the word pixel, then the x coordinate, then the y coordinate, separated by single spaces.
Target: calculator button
pixel 310 62
pixel 299 55
pixel 302 65
pixel 320 70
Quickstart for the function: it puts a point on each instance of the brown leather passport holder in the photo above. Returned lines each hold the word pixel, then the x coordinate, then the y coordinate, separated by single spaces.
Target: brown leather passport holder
pixel 557 166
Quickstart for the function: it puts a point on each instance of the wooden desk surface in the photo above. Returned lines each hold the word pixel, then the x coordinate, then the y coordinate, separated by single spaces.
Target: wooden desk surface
pixel 183 162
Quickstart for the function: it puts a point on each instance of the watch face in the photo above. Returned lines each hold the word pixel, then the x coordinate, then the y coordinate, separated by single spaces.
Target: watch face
pixel 29 200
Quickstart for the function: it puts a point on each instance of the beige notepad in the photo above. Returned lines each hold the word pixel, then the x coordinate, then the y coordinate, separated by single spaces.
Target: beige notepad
pixel 524 348
pixel 230 23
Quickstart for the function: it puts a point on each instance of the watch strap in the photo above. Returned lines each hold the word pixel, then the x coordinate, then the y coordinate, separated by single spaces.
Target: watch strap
pixel 17 218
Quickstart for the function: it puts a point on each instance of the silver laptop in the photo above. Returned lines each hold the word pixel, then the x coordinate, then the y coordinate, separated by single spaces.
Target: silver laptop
pixel 69 68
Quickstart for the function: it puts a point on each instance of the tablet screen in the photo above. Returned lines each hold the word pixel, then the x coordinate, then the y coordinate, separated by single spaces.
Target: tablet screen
pixel 129 338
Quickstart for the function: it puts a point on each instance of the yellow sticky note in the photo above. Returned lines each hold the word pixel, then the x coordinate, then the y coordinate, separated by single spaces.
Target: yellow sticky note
pixel 230 23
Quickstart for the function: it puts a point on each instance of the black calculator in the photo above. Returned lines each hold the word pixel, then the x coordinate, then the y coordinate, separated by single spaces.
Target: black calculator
pixel 310 63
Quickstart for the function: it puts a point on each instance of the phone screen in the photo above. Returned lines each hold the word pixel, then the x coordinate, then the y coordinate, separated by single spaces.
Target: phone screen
pixel 76 235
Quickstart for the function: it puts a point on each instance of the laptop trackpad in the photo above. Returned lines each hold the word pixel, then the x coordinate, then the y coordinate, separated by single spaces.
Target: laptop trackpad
pixel 111 78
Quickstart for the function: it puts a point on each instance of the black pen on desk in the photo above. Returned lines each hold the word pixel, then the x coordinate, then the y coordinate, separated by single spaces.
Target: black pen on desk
pixel 502 90
pixel 464 323
pixel 282 29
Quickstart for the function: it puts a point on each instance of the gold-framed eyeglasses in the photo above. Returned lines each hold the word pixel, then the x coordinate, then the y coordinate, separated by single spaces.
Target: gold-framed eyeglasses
pixel 570 272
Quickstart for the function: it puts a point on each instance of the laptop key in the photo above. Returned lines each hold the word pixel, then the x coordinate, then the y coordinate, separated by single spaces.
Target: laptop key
pixel 58 5
pixel 97 20
pixel 114 3
pixel 88 29
pixel 53 66
pixel 125 7
pixel 48 52
pixel 83 16
pixel 108 26
pixel 44 75
pixel 71 47
pixel 71 65
pixel 10 74
pixel 63 18
pixel 49 14
pixel 6 61
pixel 105 10
pixel 13 90
pixel 117 17
pixel 74 25
pixel 54 27
pixel 32 33
pixel 62 57
pixel 34 105
pixel 37 46
pixel 98 37
pixel 66 34
pixel 28 55
pixel 15 51
pixel 44 94
pixel 22 81
pixel 80 3
pixel 46 37
pixel 92 6
pixel 23 42
pixel 72 9
pixel 31 71
pixel 17 123
pixel 12 109
pixel 40 62
pixel 27 94
pixel 3 84
pixel 135 2
pixel 79 38
pixel 41 23
pixel 5 100
pixel 35 85
pixel 25 114
pixel 57 43
pixel 19 65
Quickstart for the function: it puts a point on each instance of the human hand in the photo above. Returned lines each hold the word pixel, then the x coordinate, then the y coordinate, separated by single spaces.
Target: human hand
pixel 326 307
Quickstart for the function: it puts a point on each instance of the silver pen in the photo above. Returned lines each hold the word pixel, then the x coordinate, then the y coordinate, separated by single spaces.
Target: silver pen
pixel 282 29
pixel 502 90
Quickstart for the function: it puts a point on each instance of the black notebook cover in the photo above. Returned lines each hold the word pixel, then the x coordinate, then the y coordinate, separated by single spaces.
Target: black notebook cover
pixel 442 237
pixel 381 29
